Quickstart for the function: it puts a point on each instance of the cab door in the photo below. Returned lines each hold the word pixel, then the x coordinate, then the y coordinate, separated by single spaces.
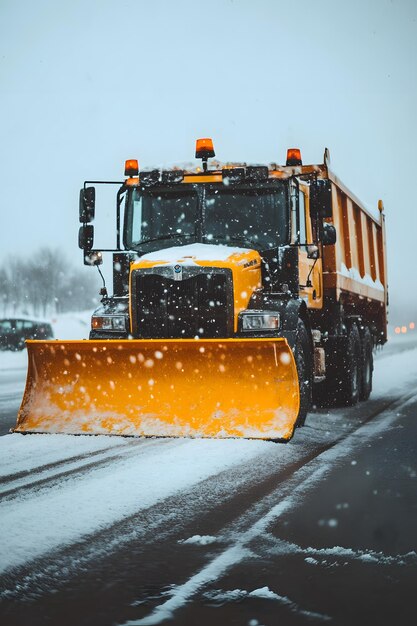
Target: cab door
pixel 310 269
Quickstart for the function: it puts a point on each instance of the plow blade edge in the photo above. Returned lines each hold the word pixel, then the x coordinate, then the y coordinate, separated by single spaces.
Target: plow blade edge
pixel 167 388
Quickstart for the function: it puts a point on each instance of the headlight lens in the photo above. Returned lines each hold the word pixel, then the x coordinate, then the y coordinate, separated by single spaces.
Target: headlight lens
pixel 109 322
pixel 260 321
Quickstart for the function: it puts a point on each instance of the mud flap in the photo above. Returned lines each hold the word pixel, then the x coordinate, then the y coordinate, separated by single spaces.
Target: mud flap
pixel 165 388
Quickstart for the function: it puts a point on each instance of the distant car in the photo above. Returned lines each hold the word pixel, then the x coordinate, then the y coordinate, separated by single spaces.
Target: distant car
pixel 15 330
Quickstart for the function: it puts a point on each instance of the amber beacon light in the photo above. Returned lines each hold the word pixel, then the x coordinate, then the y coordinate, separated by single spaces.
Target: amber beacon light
pixel 131 167
pixel 204 150
pixel 294 156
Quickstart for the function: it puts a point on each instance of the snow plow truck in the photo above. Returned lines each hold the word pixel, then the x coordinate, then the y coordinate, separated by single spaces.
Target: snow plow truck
pixel 241 294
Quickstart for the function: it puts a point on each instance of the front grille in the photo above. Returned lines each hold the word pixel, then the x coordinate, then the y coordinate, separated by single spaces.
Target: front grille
pixel 200 304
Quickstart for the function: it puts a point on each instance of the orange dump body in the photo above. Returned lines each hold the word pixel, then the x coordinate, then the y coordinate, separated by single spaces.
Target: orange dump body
pixel 354 270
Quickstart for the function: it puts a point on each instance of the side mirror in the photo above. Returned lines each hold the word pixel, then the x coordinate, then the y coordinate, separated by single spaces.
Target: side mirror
pixel 329 234
pixel 321 198
pixel 86 237
pixel 87 204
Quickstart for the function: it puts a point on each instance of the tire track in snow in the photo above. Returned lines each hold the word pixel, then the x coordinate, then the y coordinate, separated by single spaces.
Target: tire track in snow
pixel 4 480
pixel 83 465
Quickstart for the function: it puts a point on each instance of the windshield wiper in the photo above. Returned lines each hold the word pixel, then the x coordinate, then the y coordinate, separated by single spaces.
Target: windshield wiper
pixel 228 239
pixel 167 236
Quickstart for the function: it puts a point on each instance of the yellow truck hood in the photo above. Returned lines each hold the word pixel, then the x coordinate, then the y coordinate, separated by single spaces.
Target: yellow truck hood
pixel 244 263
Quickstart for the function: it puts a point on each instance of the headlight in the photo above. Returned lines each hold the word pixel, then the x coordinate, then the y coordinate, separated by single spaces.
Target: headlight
pixel 258 320
pixel 109 322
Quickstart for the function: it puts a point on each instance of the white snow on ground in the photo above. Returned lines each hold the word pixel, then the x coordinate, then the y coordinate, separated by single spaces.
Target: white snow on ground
pixel 263 593
pixel 10 390
pixel 72 325
pixel 338 555
pixel 35 526
pixel 239 594
pixel 13 360
pixel 29 452
pixel 201 540
pixel 39 522
pixel 394 373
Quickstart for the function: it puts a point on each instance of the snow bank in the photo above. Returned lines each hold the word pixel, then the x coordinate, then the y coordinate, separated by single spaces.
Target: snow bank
pixel 394 373
pixel 13 360
pixel 72 325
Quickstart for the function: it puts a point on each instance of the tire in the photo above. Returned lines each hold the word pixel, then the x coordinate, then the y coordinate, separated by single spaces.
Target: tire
pixel 350 369
pixel 304 361
pixel 367 364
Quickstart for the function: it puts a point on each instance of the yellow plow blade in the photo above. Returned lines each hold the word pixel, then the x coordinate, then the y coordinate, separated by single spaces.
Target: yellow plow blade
pixel 165 388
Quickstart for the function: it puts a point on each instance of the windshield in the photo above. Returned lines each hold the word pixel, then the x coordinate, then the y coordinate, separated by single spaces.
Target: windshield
pixel 249 217
pixel 256 217
pixel 156 215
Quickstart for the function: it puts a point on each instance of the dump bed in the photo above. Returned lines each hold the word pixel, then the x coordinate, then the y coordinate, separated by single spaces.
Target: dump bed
pixel 354 270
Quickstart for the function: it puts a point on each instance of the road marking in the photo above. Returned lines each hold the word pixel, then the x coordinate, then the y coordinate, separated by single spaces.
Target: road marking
pixel 310 476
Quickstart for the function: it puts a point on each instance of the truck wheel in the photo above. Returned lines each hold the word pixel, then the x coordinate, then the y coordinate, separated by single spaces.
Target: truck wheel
pixel 367 365
pixel 304 361
pixel 350 370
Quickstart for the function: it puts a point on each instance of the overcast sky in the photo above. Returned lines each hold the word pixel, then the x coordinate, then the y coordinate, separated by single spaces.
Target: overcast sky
pixel 88 84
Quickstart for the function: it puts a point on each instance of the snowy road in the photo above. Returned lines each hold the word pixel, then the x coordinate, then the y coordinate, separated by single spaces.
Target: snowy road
pixel 100 530
pixel 12 383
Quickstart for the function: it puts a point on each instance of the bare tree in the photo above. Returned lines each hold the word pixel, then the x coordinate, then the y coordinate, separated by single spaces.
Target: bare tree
pixel 5 289
pixel 46 283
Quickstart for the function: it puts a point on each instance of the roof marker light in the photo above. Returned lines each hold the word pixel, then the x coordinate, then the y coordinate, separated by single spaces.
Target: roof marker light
pixel 131 167
pixel 204 150
pixel 294 156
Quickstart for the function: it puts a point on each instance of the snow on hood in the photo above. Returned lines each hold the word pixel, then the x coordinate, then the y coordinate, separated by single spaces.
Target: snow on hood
pixel 193 252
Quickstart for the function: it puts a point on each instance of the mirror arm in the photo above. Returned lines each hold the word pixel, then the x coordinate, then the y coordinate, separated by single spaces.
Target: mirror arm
pixel 308 281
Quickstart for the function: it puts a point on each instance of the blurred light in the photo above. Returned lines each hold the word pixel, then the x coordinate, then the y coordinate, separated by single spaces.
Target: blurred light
pixel 397 330
pixel 404 329
pixel 412 326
